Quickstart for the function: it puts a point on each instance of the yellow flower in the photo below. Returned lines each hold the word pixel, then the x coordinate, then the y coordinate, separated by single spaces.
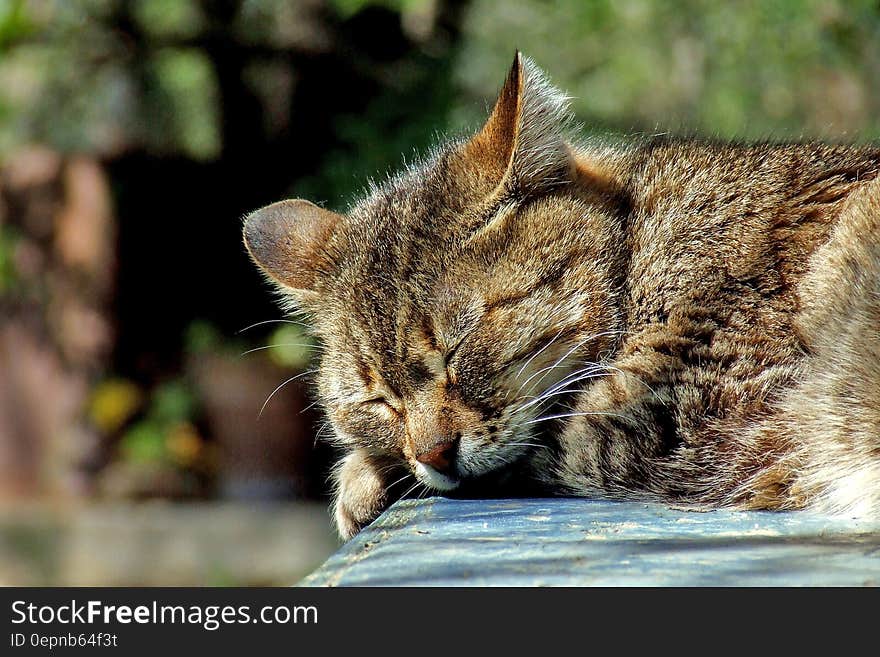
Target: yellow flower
pixel 183 443
pixel 113 402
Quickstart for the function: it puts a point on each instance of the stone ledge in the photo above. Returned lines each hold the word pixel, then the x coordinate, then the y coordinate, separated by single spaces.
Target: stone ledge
pixel 576 542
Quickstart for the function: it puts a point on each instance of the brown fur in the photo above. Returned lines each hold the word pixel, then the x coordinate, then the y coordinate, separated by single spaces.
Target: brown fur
pixel 667 319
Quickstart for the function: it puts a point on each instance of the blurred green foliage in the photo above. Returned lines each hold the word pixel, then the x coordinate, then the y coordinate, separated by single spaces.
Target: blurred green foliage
pixel 73 76
pixel 185 102
pixel 397 125
pixel 7 268
pixel 165 433
pixel 781 68
pixel 170 18
pixel 172 402
pixel 202 337
pixel 778 69
pixel 144 443
pixel 351 7
pixel 14 22
pixel 110 76
pixel 158 427
pixel 290 346
pixel 311 98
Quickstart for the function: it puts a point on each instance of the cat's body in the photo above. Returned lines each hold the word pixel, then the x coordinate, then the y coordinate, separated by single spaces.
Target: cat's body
pixel 676 320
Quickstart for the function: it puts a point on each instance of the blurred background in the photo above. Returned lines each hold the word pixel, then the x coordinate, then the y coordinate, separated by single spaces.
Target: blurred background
pixel 144 438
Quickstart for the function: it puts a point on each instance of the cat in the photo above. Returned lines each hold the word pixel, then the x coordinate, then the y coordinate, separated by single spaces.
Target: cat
pixel 529 313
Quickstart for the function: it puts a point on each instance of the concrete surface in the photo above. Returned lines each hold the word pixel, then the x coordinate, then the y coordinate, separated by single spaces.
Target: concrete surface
pixel 575 542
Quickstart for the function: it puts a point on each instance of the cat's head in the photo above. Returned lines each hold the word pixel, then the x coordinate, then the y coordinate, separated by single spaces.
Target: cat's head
pixel 461 298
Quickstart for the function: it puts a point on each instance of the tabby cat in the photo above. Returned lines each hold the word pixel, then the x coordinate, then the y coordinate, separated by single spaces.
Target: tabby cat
pixel 525 312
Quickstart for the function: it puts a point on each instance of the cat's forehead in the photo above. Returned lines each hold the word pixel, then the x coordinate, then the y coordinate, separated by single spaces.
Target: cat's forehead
pixel 411 196
pixel 398 236
pixel 409 283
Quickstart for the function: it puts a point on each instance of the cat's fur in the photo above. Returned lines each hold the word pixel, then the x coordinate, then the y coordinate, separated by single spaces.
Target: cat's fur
pixel 698 322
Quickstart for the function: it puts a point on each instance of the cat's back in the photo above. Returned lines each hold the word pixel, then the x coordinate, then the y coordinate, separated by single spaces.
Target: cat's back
pixel 764 261
pixel 698 185
pixel 712 220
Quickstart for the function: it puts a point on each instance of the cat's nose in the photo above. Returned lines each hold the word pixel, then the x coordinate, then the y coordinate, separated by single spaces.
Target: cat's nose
pixel 440 455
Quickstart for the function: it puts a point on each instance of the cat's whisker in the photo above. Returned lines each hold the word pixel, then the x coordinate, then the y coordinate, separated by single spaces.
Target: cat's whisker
pixel 388 468
pixel 558 363
pixel 504 459
pixel 590 373
pixel 528 392
pixel 290 380
pixel 539 402
pixel 560 416
pixel 528 402
pixel 323 430
pixel 637 379
pixel 281 344
pixel 411 489
pixel 561 360
pixel 590 369
pixel 310 406
pixel 391 485
pixel 538 353
pixel 581 375
pixel 596 366
pixel 271 321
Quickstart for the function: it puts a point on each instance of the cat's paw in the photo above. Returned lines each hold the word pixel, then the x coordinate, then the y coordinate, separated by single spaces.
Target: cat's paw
pixel 361 494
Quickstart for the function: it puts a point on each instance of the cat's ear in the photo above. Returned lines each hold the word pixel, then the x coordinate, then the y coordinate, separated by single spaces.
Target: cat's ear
pixel 288 241
pixel 522 145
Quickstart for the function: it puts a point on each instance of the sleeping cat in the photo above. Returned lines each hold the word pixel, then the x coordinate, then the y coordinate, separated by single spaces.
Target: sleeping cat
pixel 525 312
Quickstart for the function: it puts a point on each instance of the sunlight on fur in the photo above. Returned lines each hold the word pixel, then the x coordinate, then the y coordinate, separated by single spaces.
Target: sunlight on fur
pixel 527 312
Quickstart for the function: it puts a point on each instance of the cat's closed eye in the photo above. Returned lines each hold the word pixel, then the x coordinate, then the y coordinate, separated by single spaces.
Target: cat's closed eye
pixel 451 375
pixel 382 404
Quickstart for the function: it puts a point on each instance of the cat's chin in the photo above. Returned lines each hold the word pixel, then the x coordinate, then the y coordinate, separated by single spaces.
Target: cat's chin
pixel 434 479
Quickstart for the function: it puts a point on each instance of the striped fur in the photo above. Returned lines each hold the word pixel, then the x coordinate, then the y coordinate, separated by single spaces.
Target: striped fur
pixel 669 319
